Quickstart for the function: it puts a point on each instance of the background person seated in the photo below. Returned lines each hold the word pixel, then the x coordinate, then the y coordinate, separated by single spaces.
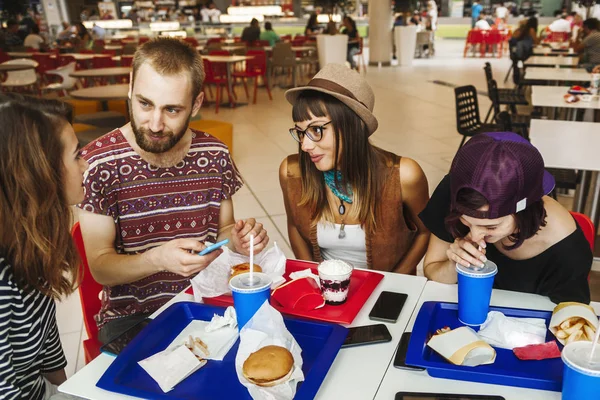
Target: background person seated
pixel 269 34
pixel 588 44
pixel 561 24
pixel 251 33
pixel 482 23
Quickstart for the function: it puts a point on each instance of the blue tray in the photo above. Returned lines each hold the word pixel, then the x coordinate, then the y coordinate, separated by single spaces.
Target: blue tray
pixel 507 370
pixel 320 343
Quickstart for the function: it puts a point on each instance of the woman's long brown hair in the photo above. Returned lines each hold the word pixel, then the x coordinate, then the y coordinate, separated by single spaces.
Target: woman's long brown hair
pixel 363 165
pixel 35 237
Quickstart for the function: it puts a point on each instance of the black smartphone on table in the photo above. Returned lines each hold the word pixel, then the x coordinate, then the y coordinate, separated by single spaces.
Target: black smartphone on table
pixel 368 334
pixel 388 306
pixel 400 358
pixel 117 345
pixel 445 396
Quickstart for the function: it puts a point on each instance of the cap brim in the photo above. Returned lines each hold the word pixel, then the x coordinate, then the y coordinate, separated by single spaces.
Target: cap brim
pixel 548 183
pixel 367 116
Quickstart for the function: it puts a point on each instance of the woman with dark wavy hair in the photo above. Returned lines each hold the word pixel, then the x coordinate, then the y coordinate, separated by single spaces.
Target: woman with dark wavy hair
pixel 494 205
pixel 41 176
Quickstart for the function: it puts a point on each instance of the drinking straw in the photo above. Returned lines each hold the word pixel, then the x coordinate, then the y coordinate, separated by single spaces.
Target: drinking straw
pixel 595 343
pixel 251 259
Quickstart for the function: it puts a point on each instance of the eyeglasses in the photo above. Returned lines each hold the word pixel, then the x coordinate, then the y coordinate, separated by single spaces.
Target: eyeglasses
pixel 314 133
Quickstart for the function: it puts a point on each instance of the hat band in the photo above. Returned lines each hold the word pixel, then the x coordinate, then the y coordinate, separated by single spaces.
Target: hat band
pixel 334 87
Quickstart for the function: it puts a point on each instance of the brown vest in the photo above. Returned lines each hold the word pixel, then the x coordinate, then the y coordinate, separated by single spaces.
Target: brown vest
pixel 387 246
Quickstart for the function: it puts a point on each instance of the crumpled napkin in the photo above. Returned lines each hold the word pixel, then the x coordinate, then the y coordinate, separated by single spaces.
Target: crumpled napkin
pixel 213 281
pixel 304 273
pixel 509 332
pixel 267 328
pixel 177 362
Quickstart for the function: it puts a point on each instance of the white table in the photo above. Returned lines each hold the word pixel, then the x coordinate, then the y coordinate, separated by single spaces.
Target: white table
pixel 547 51
pixel 570 145
pixel 397 380
pixel 544 61
pixel 553 96
pixel 557 74
pixel 355 374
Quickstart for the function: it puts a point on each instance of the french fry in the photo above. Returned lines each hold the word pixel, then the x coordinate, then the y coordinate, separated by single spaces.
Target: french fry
pixel 574 328
pixel 574 336
pixel 566 324
pixel 589 332
pixel 560 334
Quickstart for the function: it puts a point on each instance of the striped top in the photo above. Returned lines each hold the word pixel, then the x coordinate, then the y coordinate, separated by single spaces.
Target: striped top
pixel 591 45
pixel 29 340
pixel 151 206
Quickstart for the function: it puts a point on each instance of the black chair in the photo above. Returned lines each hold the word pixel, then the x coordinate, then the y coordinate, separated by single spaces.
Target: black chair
pixel 518 121
pixel 468 121
pixel 508 97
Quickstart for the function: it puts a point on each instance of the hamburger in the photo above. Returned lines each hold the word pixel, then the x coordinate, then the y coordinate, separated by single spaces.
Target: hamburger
pixel 269 366
pixel 243 268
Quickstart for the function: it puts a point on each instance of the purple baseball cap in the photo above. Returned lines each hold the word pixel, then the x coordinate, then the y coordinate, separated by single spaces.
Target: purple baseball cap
pixel 505 168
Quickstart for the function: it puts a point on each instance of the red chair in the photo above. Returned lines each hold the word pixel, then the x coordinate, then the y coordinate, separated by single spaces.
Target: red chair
pixel 218 53
pixel 475 38
pixel 214 40
pixel 557 37
pixel 4 57
pixel 66 59
pixel 587 226
pixel 298 42
pixel 126 61
pixel 494 38
pixel 216 74
pixel 260 43
pixel 300 37
pixel 103 62
pixel 89 292
pixel 143 39
pixel 112 53
pixel 255 67
pixel 192 41
pixel 286 38
pixel 45 63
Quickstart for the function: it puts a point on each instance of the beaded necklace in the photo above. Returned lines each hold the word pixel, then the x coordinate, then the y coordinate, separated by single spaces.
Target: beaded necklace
pixel 330 179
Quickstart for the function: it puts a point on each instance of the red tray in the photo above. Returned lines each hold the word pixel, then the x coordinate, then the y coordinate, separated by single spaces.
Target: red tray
pixel 362 284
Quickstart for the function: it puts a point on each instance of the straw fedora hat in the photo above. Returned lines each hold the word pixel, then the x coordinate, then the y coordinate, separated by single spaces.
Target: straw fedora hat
pixel 347 86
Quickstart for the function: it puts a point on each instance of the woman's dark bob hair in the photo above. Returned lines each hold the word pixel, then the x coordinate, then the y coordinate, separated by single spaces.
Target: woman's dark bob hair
pixel 529 221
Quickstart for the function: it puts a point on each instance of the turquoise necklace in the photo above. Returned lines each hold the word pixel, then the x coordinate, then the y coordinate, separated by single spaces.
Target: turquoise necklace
pixel 330 178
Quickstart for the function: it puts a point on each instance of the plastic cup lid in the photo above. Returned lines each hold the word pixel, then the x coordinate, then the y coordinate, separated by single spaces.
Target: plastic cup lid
pixel 241 283
pixel 489 269
pixel 577 356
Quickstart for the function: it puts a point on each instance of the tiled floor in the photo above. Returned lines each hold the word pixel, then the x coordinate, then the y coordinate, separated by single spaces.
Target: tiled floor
pixel 416 119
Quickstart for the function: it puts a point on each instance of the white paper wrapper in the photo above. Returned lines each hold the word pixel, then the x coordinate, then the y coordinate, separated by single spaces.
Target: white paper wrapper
pixel 213 281
pixel 218 341
pixel 306 272
pixel 177 362
pixel 171 366
pixel 264 329
pixel 508 332
pixel 572 311
pixel 462 346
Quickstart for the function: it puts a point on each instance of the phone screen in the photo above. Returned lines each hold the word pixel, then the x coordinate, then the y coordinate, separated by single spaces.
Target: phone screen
pixel 388 306
pixel 444 396
pixel 400 359
pixel 367 334
pixel 117 345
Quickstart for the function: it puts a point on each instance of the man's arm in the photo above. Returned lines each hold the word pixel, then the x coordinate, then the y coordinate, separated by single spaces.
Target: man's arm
pixel 110 268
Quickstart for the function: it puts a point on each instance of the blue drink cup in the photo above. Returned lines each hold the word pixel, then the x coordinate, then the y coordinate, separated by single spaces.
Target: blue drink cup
pixel 249 296
pixel 581 378
pixel 474 292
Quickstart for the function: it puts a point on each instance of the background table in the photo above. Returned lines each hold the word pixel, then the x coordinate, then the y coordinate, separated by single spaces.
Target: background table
pixel 547 51
pixel 570 145
pixel 397 380
pixel 15 67
pixel 543 61
pixel 103 94
pixel 101 72
pixel 355 374
pixel 557 74
pixel 553 96
pixel 229 60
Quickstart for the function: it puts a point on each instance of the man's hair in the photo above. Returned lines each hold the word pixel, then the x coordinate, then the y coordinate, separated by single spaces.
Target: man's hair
pixel 268 26
pixel 254 22
pixel 591 24
pixel 170 56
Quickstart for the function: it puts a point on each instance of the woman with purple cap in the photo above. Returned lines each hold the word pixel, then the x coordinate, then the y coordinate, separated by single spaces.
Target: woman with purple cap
pixel 346 199
pixel 494 205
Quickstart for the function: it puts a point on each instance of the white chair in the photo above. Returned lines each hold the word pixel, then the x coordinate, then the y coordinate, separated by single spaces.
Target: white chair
pixel 16 79
pixel 67 82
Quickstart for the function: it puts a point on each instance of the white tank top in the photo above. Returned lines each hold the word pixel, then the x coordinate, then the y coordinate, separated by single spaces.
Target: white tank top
pixel 352 248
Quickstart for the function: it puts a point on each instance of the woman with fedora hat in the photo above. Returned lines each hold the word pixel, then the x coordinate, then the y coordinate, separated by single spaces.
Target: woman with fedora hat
pixel 494 205
pixel 345 198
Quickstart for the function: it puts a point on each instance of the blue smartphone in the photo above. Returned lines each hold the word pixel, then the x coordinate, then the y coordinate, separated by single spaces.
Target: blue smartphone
pixel 213 247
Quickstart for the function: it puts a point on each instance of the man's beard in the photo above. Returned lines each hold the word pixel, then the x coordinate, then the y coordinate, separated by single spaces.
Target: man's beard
pixel 142 137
